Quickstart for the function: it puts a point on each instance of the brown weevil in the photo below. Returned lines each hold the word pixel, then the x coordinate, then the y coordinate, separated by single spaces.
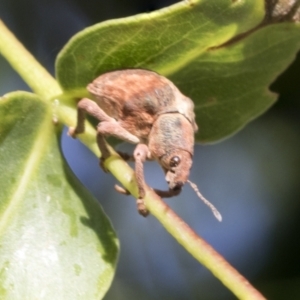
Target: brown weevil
pixel 144 108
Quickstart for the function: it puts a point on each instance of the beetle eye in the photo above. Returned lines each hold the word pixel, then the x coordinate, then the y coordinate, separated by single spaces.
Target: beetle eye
pixel 174 161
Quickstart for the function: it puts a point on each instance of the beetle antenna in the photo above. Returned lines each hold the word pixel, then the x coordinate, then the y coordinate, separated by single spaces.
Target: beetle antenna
pixel 213 209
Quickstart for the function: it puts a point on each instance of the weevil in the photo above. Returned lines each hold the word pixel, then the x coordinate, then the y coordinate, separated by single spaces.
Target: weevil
pixel 144 108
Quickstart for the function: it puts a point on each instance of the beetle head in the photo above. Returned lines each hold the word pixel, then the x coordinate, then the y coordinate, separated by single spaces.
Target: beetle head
pixel 171 143
pixel 176 165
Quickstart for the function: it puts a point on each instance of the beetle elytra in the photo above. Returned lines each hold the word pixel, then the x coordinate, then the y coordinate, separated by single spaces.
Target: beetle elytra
pixel 144 108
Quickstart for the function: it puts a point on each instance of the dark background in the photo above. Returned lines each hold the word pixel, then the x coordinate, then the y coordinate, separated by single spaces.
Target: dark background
pixel 252 178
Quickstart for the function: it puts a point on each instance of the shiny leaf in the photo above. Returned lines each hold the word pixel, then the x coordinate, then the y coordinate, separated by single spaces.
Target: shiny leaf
pixel 188 42
pixel 55 241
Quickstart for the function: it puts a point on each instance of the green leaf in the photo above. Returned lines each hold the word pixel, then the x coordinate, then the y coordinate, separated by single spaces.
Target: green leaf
pixel 229 83
pixel 55 241
pixel 164 40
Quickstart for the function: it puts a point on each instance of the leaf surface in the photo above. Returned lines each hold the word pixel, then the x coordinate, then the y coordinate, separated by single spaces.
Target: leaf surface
pixel 187 43
pixel 55 241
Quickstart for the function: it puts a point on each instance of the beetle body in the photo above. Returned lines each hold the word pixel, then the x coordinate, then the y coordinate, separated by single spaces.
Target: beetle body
pixel 142 107
pixel 135 98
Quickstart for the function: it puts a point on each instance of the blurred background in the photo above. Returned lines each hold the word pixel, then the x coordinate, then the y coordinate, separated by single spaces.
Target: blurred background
pixel 253 178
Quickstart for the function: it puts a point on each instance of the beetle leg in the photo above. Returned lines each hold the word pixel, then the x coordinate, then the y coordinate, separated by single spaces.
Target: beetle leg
pixel 139 202
pixel 111 128
pixel 140 155
pixel 121 190
pixel 107 126
pixel 140 205
pixel 84 106
pixel 103 149
pixel 167 194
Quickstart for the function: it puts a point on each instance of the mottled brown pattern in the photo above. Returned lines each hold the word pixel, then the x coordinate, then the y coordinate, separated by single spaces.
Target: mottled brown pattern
pixel 135 97
pixel 143 108
pixel 173 131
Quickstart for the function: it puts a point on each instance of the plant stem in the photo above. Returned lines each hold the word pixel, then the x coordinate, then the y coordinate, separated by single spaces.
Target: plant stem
pixel 35 75
pixel 43 84
pixel 40 81
pixel 185 236
pixel 202 251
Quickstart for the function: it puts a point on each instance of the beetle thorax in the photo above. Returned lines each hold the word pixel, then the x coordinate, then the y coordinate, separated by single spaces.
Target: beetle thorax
pixel 169 132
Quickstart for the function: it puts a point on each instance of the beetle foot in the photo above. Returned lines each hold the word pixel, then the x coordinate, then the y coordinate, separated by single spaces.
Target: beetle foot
pixel 121 190
pixel 139 202
pixel 72 132
pixel 102 166
pixel 142 208
pixel 167 194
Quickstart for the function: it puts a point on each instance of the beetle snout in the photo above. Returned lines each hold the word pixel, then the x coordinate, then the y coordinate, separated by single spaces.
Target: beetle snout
pixel 178 186
pixel 175 180
pixel 175 186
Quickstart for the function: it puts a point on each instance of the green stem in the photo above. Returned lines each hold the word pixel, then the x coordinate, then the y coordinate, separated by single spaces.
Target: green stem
pixel 43 84
pixel 185 236
pixel 40 81
pixel 35 75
